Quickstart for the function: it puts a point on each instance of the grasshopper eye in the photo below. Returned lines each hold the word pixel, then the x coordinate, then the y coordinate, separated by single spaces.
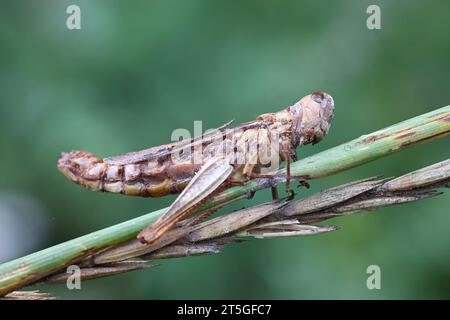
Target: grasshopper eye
pixel 318 96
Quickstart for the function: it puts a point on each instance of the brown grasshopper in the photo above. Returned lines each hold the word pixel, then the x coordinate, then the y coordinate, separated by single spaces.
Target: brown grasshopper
pixel 200 167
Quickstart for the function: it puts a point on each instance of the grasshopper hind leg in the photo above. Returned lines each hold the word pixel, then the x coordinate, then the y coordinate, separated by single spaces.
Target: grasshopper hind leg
pixel 210 177
pixel 202 216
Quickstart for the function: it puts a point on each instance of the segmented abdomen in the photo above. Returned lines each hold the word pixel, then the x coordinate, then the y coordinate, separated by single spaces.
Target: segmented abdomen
pixel 153 178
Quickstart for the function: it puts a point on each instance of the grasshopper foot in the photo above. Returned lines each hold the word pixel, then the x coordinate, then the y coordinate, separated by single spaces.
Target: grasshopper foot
pixel 303 183
pixel 291 195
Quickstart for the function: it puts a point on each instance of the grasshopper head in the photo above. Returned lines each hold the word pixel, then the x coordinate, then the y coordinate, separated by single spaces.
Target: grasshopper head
pixel 311 117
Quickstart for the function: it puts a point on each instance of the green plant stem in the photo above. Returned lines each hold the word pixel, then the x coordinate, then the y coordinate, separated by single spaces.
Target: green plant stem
pixel 424 128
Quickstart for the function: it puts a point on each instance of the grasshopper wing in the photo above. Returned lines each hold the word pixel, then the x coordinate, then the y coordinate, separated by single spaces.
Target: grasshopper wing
pixel 166 149
pixel 210 176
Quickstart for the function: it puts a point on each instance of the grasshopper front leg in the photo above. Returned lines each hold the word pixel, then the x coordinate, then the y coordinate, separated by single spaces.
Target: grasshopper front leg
pixel 287 153
pixel 210 176
pixel 286 150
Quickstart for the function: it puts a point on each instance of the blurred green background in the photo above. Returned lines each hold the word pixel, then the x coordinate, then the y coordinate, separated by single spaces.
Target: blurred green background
pixel 137 70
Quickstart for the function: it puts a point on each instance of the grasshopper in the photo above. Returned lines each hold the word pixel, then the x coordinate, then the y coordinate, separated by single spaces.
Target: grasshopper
pixel 200 167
